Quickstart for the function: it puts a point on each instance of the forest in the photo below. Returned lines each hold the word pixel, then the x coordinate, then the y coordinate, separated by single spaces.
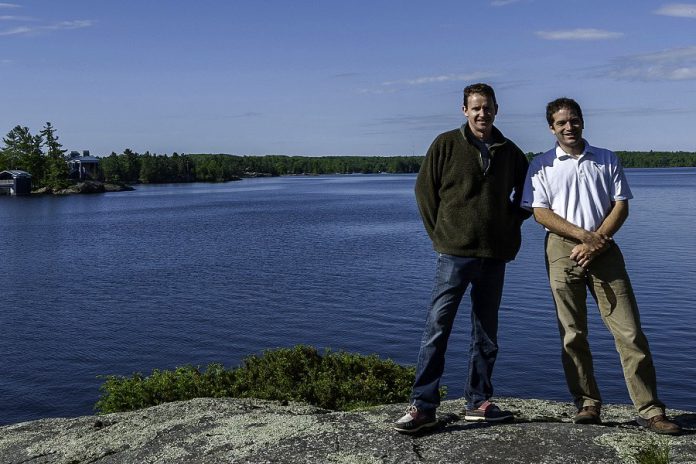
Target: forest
pixel 45 159
pixel 132 167
pixel 657 159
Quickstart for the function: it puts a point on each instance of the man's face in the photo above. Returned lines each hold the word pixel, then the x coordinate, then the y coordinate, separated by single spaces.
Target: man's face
pixel 567 127
pixel 480 111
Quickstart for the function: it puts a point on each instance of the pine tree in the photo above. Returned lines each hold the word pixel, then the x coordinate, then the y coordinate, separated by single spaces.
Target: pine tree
pixel 23 151
pixel 56 164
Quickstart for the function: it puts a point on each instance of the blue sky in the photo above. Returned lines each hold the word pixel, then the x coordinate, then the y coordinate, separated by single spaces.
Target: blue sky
pixel 342 78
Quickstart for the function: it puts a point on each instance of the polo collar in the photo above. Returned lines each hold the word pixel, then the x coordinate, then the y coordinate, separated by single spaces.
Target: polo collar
pixel 561 154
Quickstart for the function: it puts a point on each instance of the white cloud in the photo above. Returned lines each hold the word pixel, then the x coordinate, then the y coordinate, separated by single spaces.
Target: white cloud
pixel 579 34
pixel 248 114
pixel 503 2
pixel 381 91
pixel 8 5
pixel 677 64
pixel 17 31
pixel 63 25
pixel 441 78
pixel 15 18
pixel 680 10
pixel 77 24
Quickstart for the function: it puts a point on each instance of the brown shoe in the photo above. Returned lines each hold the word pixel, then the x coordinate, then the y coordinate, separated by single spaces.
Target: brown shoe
pixel 588 415
pixel 660 424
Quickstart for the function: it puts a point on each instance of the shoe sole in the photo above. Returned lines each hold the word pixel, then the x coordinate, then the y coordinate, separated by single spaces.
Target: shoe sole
pixel 488 419
pixel 588 421
pixel 661 432
pixel 427 425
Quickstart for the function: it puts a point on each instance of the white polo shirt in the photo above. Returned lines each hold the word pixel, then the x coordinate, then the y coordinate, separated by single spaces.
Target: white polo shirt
pixel 579 190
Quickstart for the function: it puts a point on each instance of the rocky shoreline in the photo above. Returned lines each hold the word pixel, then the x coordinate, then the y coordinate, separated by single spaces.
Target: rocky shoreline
pixel 230 430
pixel 88 186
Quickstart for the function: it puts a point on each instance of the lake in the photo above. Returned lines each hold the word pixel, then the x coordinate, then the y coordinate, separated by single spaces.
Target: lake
pixel 169 275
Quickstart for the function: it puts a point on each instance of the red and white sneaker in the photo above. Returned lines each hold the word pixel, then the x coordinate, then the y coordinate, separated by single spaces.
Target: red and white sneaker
pixel 416 419
pixel 488 412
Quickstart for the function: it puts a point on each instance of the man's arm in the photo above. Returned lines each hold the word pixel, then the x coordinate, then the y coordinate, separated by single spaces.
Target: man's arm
pixel 560 226
pixel 615 219
pixel 611 224
pixel 591 243
pixel 521 179
pixel 427 190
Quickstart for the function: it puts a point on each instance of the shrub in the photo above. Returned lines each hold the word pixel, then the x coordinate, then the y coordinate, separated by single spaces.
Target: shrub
pixel 332 380
pixel 137 392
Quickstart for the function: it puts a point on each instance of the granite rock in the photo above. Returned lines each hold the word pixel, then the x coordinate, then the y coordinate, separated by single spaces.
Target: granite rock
pixel 230 430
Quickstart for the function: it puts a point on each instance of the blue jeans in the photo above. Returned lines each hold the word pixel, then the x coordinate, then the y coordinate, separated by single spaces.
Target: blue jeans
pixel 452 277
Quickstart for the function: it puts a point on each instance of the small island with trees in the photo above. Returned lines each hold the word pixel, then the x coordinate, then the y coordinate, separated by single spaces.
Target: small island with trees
pixel 44 158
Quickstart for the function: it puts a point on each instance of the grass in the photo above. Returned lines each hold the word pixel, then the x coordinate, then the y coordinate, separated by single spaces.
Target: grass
pixel 654 452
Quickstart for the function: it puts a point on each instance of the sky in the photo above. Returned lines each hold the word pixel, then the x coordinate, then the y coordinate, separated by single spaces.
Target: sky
pixel 312 78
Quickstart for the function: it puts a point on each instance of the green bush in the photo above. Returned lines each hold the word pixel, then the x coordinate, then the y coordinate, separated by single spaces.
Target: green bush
pixel 332 380
pixel 137 392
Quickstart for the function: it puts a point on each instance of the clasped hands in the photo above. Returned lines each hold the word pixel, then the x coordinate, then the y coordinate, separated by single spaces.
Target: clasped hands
pixel 592 245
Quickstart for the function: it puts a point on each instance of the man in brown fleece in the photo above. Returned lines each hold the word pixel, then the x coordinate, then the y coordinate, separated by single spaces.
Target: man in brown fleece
pixel 468 192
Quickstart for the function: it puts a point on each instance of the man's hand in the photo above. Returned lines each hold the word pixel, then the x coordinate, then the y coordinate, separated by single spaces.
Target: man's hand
pixel 593 245
pixel 594 241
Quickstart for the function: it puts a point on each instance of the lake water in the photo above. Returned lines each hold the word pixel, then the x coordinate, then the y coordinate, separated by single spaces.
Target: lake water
pixel 169 275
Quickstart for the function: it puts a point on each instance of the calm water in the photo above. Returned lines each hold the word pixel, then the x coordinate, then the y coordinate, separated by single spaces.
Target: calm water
pixel 191 274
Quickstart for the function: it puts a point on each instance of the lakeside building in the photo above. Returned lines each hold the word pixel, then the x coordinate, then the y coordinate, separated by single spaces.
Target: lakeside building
pixel 15 182
pixel 83 166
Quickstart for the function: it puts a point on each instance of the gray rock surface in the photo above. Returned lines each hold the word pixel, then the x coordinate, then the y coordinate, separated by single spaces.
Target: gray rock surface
pixel 231 430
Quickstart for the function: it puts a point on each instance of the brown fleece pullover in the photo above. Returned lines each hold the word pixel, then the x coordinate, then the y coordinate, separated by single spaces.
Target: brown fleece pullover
pixel 466 212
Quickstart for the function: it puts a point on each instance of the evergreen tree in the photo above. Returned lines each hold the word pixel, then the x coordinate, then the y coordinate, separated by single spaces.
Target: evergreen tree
pixel 54 148
pixel 56 163
pixel 23 151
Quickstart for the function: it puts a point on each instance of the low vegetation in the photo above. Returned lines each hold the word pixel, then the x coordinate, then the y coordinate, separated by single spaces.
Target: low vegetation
pixel 332 380
pixel 654 452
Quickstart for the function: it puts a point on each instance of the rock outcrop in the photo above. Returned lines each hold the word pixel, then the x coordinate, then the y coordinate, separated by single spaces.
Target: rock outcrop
pixel 88 186
pixel 232 430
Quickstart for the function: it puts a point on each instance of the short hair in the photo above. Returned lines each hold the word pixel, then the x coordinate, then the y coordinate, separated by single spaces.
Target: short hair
pixel 480 88
pixel 559 104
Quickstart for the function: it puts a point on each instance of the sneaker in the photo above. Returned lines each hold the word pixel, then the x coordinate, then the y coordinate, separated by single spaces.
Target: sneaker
pixel 416 419
pixel 488 412
pixel 588 415
pixel 659 424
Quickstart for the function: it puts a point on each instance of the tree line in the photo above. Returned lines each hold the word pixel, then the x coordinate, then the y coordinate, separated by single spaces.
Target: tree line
pixel 152 168
pixel 657 159
pixel 652 159
pixel 44 158
pixel 40 155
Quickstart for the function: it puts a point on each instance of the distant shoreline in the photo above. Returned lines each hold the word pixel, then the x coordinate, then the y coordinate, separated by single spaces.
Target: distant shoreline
pixel 92 187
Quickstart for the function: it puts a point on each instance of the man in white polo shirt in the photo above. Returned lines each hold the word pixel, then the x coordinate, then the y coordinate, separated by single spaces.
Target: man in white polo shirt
pixel 579 193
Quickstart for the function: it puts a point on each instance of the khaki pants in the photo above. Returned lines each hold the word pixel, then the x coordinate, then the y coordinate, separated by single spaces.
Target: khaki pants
pixel 608 282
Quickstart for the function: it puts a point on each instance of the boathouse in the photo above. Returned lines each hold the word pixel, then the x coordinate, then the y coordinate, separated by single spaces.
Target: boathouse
pixel 82 166
pixel 15 182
